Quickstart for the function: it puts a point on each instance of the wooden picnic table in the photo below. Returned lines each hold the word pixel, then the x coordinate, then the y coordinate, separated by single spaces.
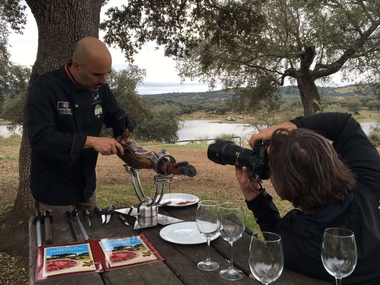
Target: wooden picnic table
pixel 179 266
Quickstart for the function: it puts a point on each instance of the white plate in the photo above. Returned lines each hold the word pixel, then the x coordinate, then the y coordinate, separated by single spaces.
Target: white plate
pixel 184 233
pixel 179 199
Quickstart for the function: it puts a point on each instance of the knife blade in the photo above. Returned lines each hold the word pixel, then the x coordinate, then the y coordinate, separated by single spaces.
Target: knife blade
pixel 100 213
pixel 109 213
pixel 132 211
pixel 167 220
pixel 123 219
pixel 69 220
pixel 81 227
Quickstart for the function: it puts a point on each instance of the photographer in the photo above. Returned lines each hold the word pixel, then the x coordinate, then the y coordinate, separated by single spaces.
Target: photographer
pixel 330 184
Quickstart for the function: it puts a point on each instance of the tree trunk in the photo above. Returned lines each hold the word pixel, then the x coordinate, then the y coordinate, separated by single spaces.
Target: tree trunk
pixel 310 97
pixel 60 25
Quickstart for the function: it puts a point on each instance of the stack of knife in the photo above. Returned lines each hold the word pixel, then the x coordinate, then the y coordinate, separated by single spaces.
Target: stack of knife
pixel 72 218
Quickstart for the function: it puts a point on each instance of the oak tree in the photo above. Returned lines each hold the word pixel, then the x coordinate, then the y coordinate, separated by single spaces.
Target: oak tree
pixel 254 44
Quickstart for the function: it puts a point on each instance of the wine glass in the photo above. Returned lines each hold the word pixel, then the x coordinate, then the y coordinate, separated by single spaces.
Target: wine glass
pixel 266 259
pixel 208 225
pixel 231 217
pixel 339 254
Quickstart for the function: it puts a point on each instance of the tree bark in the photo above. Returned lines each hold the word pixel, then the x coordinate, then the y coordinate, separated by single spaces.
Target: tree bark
pixel 310 97
pixel 60 25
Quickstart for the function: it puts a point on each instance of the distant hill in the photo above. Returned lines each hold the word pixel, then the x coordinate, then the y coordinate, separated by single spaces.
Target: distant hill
pixel 289 92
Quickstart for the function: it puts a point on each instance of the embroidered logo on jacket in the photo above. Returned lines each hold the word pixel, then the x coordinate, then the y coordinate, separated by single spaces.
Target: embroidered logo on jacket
pixel 64 108
pixel 95 98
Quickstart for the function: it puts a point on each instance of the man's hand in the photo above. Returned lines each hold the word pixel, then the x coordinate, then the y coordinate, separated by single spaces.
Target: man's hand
pixel 105 146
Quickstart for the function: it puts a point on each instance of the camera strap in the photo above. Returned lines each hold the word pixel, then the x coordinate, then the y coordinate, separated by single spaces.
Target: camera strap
pixel 262 190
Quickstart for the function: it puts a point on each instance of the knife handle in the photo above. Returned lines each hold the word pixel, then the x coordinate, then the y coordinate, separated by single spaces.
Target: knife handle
pixel 87 216
pixel 48 236
pixel 110 210
pixel 98 211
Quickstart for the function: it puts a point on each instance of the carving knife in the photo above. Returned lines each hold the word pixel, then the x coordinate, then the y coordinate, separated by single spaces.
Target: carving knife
pixel 37 222
pixel 167 220
pixel 81 227
pixel 123 219
pixel 69 220
pixel 87 216
pixel 100 213
pixel 109 213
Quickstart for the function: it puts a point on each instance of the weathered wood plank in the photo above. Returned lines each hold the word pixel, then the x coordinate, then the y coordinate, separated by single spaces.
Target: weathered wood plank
pixel 179 266
pixel 241 251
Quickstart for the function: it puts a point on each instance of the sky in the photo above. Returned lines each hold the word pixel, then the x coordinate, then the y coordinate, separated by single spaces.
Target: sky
pixel 161 76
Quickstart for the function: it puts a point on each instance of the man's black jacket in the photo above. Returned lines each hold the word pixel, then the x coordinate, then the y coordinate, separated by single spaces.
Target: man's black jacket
pixel 60 117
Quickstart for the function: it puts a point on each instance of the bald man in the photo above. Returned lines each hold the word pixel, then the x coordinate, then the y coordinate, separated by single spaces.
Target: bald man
pixel 66 111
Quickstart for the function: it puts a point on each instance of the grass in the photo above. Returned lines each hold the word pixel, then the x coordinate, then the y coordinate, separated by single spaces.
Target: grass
pixel 10 142
pixel 5 144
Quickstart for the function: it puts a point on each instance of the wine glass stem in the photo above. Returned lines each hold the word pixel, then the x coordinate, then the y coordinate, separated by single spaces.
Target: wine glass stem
pixel 232 256
pixel 338 281
pixel 208 250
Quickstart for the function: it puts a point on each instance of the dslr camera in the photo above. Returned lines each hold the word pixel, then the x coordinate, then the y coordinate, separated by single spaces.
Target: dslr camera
pixel 226 152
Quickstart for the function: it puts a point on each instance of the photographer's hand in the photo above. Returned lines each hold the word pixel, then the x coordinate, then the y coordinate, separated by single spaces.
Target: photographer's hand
pixel 248 185
pixel 266 134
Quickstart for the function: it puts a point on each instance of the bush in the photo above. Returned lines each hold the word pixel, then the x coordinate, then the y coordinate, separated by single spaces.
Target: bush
pixel 374 136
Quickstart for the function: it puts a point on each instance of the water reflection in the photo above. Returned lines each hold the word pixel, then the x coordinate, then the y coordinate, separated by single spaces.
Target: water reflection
pixel 202 129
pixel 5 133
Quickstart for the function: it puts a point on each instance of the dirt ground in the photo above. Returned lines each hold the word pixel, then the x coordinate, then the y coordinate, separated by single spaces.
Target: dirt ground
pixel 212 181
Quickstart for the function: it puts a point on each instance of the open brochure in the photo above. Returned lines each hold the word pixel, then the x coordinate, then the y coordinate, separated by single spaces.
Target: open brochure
pixel 57 261
pixel 95 256
pixel 127 251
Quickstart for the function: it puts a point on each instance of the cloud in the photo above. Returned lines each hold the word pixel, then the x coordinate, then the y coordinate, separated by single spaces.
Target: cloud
pixel 149 88
pixel 161 76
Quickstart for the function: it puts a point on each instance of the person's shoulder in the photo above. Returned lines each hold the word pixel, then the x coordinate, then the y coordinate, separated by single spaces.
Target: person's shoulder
pixel 51 76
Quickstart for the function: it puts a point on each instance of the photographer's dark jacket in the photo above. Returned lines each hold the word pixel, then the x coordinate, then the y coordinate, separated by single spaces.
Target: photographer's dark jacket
pixel 302 233
pixel 60 117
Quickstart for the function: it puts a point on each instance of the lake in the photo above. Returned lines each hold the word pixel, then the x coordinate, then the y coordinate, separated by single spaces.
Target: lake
pixel 191 130
pixel 203 129
pixel 6 134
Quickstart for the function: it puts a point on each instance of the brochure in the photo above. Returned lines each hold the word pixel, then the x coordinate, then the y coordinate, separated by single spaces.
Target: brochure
pixel 56 261
pixel 127 251
pixel 95 256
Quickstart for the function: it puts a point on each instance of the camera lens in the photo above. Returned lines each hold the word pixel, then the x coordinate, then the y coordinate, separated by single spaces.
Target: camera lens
pixel 226 152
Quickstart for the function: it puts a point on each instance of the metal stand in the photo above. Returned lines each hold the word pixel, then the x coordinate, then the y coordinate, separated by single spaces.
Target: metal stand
pixel 147 210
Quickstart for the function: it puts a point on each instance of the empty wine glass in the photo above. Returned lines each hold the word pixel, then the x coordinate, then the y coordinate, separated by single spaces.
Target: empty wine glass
pixel 266 259
pixel 231 217
pixel 208 225
pixel 339 254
